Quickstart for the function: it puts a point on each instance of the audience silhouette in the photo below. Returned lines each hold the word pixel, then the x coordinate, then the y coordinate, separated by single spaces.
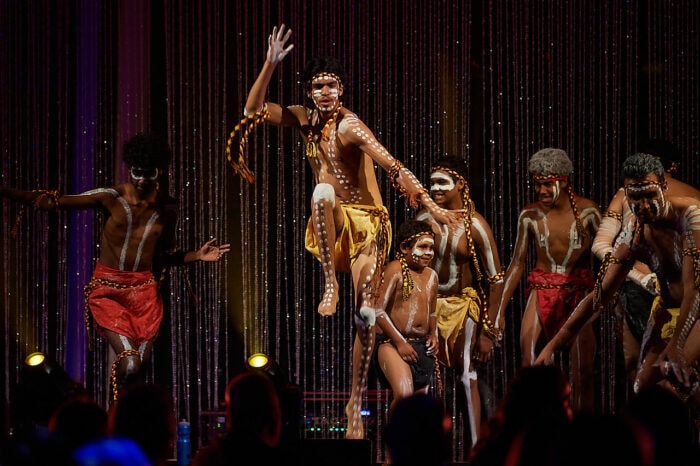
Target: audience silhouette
pixel 418 432
pixel 254 425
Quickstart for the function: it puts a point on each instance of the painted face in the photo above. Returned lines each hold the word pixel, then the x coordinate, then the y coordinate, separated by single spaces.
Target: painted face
pixel 423 252
pixel 646 198
pixel 441 187
pixel 144 179
pixel 548 192
pixel 138 173
pixel 326 92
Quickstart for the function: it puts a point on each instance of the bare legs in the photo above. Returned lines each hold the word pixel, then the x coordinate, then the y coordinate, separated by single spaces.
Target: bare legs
pixel 468 377
pixel 328 221
pixel 581 355
pixel 324 229
pixel 130 358
pixel 363 347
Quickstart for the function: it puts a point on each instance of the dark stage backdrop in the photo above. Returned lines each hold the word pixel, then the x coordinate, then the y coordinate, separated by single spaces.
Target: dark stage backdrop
pixel 493 81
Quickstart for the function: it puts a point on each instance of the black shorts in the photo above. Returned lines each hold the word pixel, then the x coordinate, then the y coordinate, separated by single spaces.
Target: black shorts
pixel 422 370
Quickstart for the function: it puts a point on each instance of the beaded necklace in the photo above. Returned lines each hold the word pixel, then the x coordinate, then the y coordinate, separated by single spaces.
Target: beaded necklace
pixel 325 133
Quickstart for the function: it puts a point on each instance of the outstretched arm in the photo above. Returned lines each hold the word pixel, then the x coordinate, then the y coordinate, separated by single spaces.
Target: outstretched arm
pixel 358 134
pixel 277 49
pixel 50 200
pixel 209 252
pixel 44 200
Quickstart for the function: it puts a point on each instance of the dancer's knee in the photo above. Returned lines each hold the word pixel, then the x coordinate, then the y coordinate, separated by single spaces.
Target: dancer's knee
pixel 324 192
pixel 367 317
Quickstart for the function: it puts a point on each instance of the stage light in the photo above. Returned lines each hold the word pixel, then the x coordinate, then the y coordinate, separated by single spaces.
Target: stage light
pixel 34 359
pixel 290 395
pixel 258 361
pixel 42 386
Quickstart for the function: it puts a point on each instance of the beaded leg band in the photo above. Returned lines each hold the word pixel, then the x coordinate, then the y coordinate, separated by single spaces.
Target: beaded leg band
pixel 115 367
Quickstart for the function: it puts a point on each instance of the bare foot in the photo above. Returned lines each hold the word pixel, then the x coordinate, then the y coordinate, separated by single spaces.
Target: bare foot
pixel 356 427
pixel 329 302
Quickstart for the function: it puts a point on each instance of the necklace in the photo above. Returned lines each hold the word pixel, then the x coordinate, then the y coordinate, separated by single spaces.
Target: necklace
pixel 325 133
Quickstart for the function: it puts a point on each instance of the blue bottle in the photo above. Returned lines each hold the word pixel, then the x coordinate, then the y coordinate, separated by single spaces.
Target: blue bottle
pixel 184 447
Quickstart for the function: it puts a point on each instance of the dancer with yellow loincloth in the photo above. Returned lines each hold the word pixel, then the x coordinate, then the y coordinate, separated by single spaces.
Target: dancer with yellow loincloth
pixel 470 283
pixel 349 227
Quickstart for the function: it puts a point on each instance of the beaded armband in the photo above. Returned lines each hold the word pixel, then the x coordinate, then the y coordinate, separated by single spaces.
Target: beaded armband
pixel 394 172
pixel 247 124
pixel 612 214
pixel 496 278
pixel 490 330
pixel 598 287
pixel 695 254
pixel 53 197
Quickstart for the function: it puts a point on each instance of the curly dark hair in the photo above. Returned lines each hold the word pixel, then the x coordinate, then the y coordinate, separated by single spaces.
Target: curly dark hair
pixel 452 162
pixel 639 165
pixel 319 64
pixel 410 228
pixel 147 151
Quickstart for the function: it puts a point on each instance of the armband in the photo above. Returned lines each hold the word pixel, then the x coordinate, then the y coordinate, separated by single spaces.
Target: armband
pixel 496 278
pixel 612 214
pixel 395 172
pixel 695 254
pixel 490 330
pixel 51 195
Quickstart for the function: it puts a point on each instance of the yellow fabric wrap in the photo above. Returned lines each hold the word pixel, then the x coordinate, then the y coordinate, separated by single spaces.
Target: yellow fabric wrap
pixel 669 321
pixel 451 313
pixel 363 224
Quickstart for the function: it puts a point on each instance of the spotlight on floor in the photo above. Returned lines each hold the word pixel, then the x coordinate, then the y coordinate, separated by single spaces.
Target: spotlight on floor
pixel 34 359
pixel 42 386
pixel 258 361
pixel 290 395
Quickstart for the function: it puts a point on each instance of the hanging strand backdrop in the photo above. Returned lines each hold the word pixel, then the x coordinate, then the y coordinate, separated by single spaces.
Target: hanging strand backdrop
pixel 491 81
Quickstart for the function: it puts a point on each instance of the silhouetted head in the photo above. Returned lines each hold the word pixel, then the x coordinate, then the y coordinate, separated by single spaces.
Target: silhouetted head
pixel 253 408
pixel 144 412
pixel 418 432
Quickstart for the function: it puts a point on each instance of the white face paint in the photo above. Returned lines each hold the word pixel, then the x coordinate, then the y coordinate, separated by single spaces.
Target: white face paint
pixel 556 191
pixel 423 249
pixel 325 91
pixel 548 191
pixel 646 200
pixel 439 181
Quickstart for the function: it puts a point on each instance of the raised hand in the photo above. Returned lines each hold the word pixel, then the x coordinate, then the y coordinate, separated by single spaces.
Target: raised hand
pixel 276 49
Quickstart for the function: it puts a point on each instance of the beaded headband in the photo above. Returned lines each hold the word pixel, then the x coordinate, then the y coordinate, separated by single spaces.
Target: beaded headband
pixel 643 185
pixel 326 75
pixel 418 235
pixel 539 177
pixel 449 171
